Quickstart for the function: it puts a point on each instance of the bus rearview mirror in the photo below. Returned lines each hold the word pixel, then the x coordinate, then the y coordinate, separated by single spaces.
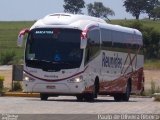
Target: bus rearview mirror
pixel 21 37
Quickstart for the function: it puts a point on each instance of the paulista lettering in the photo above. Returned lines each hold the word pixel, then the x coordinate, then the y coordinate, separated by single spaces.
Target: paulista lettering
pixel 111 62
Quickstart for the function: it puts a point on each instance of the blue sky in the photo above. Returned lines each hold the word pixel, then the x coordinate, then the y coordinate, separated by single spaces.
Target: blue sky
pixel 18 10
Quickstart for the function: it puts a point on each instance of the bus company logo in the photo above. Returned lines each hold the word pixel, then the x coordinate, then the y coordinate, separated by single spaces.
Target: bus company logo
pixel 111 62
pixel 44 32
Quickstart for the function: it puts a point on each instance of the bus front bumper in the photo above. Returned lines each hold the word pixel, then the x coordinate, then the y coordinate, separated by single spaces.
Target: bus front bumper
pixel 54 88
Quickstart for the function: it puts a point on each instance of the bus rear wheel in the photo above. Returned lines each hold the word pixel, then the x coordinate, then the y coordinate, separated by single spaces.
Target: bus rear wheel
pixel 118 97
pixel 126 95
pixel 43 96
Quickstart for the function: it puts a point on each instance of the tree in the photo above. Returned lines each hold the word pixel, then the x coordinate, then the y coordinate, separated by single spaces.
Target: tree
pixel 156 10
pixel 73 6
pixel 135 7
pixel 151 4
pixel 99 10
pixel 156 13
pixel 152 8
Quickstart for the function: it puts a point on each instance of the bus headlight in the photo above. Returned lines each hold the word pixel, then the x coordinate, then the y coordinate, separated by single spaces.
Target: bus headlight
pixel 29 79
pixel 26 78
pixel 76 80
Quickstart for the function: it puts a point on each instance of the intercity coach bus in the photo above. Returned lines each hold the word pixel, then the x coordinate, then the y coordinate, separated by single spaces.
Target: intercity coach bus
pixel 82 56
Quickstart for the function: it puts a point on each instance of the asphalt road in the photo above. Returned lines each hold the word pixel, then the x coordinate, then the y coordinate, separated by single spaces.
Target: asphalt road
pixel 68 105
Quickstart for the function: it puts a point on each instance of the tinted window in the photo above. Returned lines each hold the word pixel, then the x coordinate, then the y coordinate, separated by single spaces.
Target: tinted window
pixel 60 47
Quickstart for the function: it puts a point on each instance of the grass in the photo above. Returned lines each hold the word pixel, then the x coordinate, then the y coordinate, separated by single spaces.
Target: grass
pixel 152 64
pixel 8 36
pixel 152 90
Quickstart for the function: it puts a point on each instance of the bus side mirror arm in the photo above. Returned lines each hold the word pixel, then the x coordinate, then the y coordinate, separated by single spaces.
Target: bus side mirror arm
pixel 21 36
pixel 83 43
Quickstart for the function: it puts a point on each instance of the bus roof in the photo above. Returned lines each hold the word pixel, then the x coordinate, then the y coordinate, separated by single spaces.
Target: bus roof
pixel 65 20
pixel 121 29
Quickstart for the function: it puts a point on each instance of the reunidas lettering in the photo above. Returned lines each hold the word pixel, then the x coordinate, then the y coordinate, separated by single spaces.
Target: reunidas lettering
pixel 111 62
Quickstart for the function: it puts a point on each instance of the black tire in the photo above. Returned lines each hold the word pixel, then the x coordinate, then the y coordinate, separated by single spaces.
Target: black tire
pixel 43 96
pixel 80 98
pixel 96 89
pixel 126 95
pixel 118 97
pixel 89 97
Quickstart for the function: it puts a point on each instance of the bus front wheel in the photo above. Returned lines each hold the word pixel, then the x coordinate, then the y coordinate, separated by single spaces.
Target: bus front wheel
pixel 90 96
pixel 80 97
pixel 43 96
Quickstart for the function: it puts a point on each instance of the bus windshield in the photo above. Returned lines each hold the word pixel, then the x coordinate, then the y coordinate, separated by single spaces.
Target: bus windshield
pixel 53 49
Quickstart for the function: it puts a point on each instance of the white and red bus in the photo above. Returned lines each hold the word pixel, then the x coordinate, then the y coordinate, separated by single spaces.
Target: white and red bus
pixel 83 56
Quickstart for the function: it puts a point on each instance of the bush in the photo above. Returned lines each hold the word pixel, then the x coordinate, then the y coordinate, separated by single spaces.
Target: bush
pixel 1 83
pixel 153 87
pixel 7 57
pixel 157 98
pixel 17 86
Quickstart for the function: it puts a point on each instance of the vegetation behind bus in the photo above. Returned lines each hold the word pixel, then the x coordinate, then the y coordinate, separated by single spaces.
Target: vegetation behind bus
pixel 11 54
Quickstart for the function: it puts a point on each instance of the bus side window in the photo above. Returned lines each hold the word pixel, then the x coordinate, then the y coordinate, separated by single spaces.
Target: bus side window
pixel 106 37
pixel 94 41
pixel 94 36
pixel 93 44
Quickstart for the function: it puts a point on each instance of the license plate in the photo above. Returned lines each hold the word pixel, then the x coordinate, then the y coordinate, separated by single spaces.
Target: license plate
pixel 51 87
